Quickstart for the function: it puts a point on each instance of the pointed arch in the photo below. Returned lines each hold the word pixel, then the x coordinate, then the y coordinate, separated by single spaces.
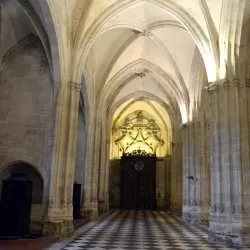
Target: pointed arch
pixel 86 39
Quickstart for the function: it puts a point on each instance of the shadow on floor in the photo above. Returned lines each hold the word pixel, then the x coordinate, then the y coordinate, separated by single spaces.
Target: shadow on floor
pixel 27 244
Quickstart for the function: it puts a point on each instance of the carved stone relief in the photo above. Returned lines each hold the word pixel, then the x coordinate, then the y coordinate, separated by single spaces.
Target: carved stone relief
pixel 138 131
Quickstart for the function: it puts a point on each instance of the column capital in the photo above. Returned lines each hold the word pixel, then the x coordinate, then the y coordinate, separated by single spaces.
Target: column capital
pixel 198 124
pixel 193 124
pixel 248 83
pixel 226 85
pixel 236 82
pixel 207 125
pixel 75 86
pixel 212 87
pixel 98 124
pixel 184 126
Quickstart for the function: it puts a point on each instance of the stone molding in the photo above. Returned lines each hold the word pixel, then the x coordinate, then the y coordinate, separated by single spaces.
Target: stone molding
pixel 212 88
pixel 226 85
pixel 230 209
pixel 75 86
pixel 30 39
pixel 207 125
pixel 142 33
pixel 236 83
pixel 248 83
pixel 184 126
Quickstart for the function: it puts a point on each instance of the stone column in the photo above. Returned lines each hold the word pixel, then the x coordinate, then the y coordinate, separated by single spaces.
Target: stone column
pixel 107 168
pixel 89 209
pixel 186 202
pixel 103 204
pixel 205 185
pixel 176 173
pixel 229 158
pixel 194 171
pixel 195 209
pixel 59 216
pixel 189 209
pixel 202 173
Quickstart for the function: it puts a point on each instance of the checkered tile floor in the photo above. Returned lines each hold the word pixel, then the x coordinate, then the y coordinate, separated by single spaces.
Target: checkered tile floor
pixel 143 230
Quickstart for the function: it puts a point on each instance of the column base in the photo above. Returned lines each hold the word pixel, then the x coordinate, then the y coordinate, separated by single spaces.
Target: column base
pixel 195 215
pixel 103 207
pixel 90 212
pixel 36 226
pixel 229 229
pixel 161 203
pixel 176 209
pixel 61 229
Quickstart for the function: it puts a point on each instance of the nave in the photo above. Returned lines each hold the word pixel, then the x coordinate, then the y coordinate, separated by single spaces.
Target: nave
pixel 131 229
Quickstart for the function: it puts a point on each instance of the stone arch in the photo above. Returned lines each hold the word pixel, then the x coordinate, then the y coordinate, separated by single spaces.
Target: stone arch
pixel 27 106
pixel 174 116
pixel 82 138
pixel 149 96
pixel 243 58
pixel 152 27
pixel 133 102
pixel 32 173
pixel 27 161
pixel 29 40
pixel 41 16
pixel 84 100
pixel 209 52
pixel 179 84
pixel 119 80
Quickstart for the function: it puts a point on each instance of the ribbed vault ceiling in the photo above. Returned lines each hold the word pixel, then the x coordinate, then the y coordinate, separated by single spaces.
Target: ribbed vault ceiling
pixel 145 49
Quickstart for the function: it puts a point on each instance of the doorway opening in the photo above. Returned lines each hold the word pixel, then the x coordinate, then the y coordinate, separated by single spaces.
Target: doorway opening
pixel 138 180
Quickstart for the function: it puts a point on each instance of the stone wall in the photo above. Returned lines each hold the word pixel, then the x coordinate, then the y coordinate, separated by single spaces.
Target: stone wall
pixel 27 111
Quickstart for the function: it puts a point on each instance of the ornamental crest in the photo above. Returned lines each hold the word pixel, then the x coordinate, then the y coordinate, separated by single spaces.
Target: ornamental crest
pixel 138 131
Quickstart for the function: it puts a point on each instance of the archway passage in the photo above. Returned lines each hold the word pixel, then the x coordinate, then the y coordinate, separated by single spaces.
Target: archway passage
pixel 138 181
pixel 140 156
pixel 21 186
pixel 31 173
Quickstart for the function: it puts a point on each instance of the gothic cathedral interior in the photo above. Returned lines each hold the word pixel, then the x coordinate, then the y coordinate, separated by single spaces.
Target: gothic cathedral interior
pixel 125 104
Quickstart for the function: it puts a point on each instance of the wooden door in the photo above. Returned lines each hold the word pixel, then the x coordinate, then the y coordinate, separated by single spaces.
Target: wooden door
pixel 138 187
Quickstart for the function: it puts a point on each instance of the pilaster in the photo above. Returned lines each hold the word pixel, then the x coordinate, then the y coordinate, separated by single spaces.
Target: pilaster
pixel 90 206
pixel 195 204
pixel 103 200
pixel 176 172
pixel 59 216
pixel 227 222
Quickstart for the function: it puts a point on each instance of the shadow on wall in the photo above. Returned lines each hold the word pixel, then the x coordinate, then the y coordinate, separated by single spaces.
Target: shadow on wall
pixel 31 173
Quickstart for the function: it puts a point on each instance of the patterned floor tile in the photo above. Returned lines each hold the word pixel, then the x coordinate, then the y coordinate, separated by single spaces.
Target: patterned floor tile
pixel 147 230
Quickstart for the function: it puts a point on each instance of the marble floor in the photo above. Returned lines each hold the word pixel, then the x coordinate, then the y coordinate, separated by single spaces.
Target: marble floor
pixel 127 230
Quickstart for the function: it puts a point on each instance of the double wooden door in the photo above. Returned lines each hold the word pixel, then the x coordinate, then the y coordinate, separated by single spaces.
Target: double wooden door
pixel 138 187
